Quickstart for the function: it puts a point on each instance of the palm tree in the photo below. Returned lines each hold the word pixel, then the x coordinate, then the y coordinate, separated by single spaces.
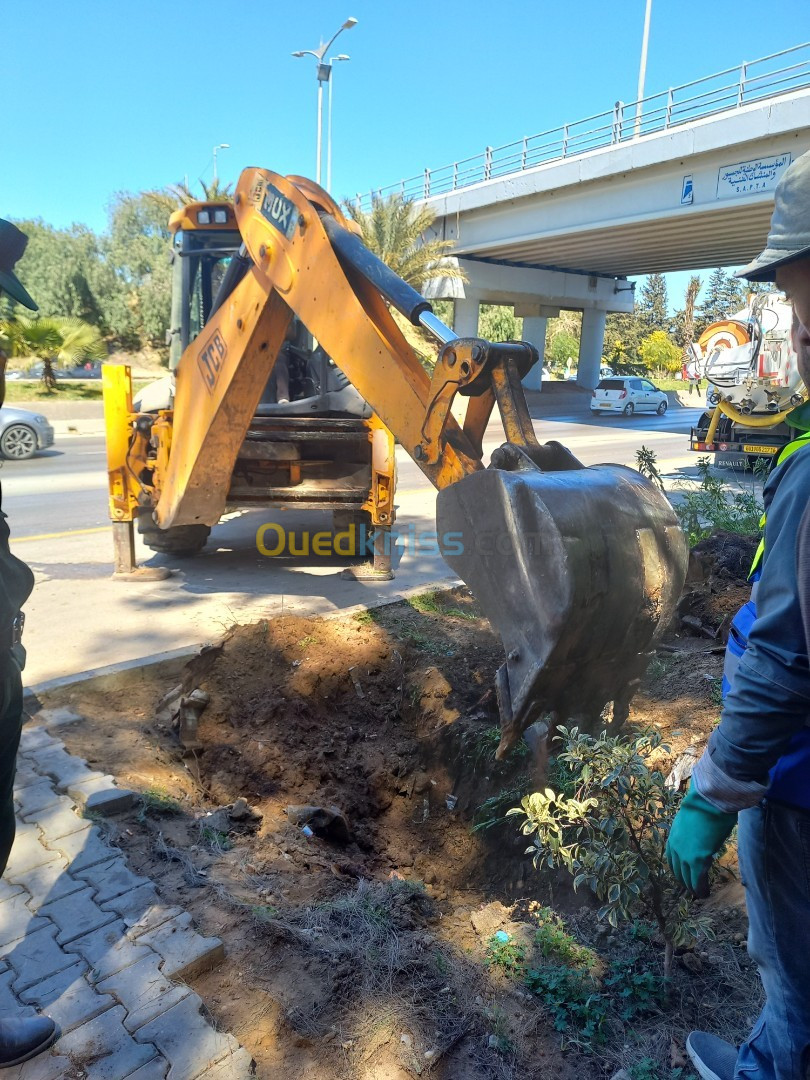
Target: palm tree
pixel 213 192
pixel 395 230
pixel 60 341
pixel 692 290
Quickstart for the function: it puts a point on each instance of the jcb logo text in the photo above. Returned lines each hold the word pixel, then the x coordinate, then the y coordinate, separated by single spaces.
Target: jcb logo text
pixel 210 359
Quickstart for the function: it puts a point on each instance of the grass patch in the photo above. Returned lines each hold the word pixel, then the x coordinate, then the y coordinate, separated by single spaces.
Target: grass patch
pixel 481 750
pixel 493 811
pixel 217 841
pixel 157 802
pixel 64 391
pixel 364 618
pixel 305 642
pixel 425 603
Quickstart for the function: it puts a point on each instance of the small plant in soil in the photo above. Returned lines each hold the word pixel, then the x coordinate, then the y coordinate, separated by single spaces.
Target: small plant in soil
pixel 611 833
pixel 555 943
pixel 647 1069
pixel 647 465
pixel 215 840
pixel 506 955
pixel 712 503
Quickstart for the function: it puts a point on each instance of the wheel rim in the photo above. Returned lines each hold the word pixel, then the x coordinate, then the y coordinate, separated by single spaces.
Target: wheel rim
pixel 19 442
pixel 629 409
pixel 662 408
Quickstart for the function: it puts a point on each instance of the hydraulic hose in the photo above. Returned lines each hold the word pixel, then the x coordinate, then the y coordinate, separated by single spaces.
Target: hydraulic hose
pixel 771 420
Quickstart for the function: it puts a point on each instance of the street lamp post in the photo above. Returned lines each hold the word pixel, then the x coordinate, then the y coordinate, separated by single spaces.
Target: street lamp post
pixel 323 72
pixel 219 146
pixel 332 60
pixel 642 67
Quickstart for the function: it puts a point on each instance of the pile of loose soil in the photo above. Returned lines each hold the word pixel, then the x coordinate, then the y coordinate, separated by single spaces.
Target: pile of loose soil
pixel 360 953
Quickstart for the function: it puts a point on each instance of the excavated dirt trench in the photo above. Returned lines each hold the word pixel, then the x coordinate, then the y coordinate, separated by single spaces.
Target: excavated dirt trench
pixel 364 955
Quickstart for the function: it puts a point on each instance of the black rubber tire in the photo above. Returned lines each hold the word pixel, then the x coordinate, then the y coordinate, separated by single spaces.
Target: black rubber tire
pixel 19 442
pixel 662 408
pixel 181 540
pixel 629 409
pixel 342 519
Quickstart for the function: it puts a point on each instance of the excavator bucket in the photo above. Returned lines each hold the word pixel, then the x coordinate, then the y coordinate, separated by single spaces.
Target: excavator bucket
pixel 579 570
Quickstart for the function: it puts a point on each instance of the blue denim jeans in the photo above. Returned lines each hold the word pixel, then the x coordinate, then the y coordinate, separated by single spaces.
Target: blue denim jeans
pixel 774 850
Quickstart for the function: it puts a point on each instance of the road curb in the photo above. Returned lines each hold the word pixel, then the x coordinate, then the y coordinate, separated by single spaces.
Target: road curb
pixel 124 667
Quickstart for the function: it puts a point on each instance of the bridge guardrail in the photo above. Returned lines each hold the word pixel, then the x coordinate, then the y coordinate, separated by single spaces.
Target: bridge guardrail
pixel 770 76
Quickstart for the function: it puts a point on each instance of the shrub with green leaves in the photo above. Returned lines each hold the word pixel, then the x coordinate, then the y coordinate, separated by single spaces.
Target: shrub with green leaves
pixel 712 503
pixel 611 833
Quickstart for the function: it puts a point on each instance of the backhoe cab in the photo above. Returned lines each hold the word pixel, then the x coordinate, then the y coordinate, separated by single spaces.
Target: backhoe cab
pixel 579 569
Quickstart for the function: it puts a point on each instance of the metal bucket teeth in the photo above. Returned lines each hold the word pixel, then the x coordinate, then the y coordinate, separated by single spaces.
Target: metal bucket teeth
pixel 579 571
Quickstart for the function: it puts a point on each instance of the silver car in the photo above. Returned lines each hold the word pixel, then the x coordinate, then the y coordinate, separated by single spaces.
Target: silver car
pixel 22 433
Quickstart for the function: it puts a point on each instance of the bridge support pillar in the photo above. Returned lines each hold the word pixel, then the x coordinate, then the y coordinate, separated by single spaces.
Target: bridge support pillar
pixel 591 345
pixel 534 331
pixel 465 318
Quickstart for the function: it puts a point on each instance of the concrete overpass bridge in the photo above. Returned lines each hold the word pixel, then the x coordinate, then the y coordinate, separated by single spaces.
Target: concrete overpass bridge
pixel 679 180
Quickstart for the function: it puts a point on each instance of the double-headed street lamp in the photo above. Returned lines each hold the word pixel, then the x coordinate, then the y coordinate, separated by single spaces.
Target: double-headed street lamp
pixel 324 72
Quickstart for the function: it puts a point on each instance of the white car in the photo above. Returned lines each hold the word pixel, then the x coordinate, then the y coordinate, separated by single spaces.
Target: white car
pixel 628 395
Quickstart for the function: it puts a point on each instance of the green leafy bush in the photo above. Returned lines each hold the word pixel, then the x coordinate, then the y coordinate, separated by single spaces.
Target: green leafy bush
pixel 611 834
pixel 712 504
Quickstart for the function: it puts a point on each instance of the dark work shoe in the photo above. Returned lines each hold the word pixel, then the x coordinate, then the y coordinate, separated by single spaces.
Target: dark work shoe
pixel 713 1058
pixel 22 1038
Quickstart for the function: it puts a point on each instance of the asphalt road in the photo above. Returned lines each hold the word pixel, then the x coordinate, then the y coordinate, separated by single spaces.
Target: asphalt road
pixel 80 619
pixel 64 489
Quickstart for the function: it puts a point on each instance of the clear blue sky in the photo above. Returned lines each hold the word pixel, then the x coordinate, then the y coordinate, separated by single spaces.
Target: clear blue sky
pixel 104 97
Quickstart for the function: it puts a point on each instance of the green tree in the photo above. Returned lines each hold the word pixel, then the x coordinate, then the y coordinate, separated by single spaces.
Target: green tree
pixel 498 322
pixel 396 230
pixel 55 341
pixel 623 334
pixel 659 353
pixel 562 339
pixel 651 308
pixel 563 346
pixel 138 248
pixel 725 294
pixel 64 271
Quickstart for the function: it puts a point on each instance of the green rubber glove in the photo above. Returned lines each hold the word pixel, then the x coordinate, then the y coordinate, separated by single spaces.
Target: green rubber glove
pixel 698 832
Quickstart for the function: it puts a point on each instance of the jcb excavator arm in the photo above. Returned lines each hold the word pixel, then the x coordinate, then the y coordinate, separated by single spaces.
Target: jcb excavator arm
pixel 579 569
pixel 304 259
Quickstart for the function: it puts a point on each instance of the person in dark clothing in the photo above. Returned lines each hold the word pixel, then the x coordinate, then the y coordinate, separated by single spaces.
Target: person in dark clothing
pixel 755 771
pixel 20 1038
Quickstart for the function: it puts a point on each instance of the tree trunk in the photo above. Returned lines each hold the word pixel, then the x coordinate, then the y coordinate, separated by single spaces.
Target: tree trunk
pixel 48 375
pixel 669 957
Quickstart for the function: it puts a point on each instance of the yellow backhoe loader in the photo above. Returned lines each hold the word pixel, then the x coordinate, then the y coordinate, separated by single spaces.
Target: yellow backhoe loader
pixel 579 569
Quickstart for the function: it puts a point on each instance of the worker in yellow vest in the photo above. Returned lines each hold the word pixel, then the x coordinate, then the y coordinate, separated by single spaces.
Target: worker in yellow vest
pixel 755 771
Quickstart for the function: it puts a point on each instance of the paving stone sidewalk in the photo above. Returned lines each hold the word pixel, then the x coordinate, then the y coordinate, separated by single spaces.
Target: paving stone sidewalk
pixel 90 943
